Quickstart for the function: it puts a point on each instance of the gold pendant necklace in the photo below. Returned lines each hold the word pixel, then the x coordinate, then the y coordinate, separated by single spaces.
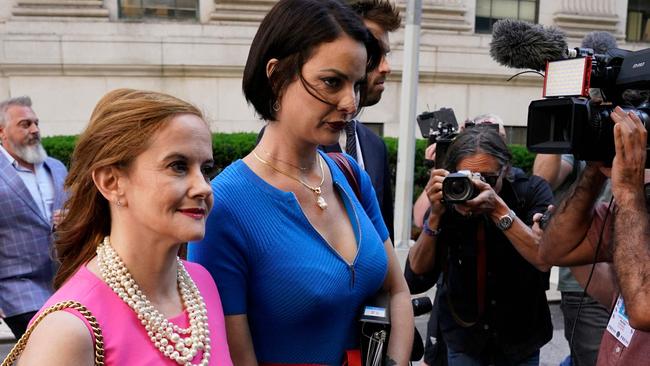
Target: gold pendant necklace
pixel 302 169
pixel 320 201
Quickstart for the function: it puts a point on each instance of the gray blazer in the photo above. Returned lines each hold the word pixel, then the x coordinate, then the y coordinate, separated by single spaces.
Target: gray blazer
pixel 26 264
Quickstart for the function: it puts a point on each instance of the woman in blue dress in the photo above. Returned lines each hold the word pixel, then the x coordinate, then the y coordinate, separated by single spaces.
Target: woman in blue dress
pixel 295 252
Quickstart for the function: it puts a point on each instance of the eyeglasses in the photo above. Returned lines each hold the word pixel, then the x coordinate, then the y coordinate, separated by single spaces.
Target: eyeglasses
pixel 491 178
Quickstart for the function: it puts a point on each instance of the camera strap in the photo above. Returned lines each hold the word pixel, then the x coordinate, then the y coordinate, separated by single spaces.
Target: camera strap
pixel 481 271
pixel 346 168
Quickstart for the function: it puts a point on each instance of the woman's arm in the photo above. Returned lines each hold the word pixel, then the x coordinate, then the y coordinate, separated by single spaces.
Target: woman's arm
pixel 59 339
pixel 552 168
pixel 401 311
pixel 422 254
pixel 240 341
pixel 422 204
pixel 420 208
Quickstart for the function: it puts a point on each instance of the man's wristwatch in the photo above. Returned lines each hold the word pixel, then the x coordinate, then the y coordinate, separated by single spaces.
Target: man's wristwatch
pixel 505 222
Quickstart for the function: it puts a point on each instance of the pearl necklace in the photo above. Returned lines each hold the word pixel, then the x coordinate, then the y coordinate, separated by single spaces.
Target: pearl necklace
pixel 165 336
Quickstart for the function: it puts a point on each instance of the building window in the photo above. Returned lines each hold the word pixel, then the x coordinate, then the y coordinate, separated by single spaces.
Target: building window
pixel 516 135
pixel 165 9
pixel 489 11
pixel 638 26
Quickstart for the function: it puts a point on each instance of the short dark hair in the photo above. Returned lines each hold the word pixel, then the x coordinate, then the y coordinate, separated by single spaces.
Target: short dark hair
pixel 382 12
pixel 289 33
pixel 478 140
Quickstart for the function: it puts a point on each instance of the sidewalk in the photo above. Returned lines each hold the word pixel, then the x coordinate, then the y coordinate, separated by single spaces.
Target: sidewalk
pixel 553 295
pixel 5 334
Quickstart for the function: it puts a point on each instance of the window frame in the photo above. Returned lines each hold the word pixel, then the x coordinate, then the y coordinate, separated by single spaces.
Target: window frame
pixel 144 16
pixel 635 6
pixel 491 19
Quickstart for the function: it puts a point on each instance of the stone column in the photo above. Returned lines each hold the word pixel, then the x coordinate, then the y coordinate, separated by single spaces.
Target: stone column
pixel 91 9
pixel 445 15
pixel 241 11
pixel 579 17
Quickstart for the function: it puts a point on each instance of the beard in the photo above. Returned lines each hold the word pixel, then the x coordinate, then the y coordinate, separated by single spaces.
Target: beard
pixel 372 98
pixel 32 153
pixel 372 94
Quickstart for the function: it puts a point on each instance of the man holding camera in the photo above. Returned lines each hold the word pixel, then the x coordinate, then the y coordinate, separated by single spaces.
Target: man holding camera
pixel 422 204
pixel 492 307
pixel 582 231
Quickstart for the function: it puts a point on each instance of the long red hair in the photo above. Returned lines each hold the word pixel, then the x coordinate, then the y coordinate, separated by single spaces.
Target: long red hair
pixel 120 129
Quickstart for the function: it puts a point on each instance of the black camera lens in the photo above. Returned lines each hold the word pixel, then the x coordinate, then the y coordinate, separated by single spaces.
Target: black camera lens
pixel 458 187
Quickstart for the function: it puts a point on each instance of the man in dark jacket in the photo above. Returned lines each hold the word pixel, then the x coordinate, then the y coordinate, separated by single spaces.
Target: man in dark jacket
pixel 492 306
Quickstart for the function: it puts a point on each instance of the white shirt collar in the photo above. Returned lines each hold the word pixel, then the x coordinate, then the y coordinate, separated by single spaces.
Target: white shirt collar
pixel 15 162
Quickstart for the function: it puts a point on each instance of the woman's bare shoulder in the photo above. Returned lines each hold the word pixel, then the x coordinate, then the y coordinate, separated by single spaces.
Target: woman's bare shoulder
pixel 61 338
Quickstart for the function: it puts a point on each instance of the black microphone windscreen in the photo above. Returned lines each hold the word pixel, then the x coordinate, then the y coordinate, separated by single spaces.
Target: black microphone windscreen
pixel 519 44
pixel 599 41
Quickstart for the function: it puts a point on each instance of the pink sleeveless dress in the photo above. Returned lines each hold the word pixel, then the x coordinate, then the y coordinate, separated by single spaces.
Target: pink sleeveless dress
pixel 125 339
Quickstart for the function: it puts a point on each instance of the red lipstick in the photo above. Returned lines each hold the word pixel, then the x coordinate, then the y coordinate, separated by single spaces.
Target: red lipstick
pixel 195 213
pixel 336 125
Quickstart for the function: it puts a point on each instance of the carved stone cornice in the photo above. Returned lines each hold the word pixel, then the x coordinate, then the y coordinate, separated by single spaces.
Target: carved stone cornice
pixel 242 11
pixel 447 15
pixel 589 7
pixel 579 17
pixel 61 8
pixel 236 71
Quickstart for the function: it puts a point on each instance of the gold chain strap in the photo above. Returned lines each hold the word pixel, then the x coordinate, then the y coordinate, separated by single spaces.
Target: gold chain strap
pixel 97 332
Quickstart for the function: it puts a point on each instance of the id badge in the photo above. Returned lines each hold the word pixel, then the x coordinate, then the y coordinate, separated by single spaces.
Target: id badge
pixel 619 324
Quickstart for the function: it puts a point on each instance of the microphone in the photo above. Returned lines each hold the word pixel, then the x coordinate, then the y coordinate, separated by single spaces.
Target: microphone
pixel 519 44
pixel 599 41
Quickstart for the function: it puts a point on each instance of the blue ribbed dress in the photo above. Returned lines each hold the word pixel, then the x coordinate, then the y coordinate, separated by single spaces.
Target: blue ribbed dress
pixel 301 298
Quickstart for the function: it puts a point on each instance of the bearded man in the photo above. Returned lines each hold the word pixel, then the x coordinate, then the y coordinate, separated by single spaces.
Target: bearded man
pixel 31 196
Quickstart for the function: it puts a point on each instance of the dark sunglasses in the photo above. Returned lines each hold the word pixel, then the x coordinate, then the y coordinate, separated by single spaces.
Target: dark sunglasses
pixel 491 178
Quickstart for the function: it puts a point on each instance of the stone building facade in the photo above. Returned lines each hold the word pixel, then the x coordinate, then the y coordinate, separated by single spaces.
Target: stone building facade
pixel 66 54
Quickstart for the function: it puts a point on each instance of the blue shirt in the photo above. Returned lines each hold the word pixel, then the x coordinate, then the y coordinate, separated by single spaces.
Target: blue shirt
pixel 301 298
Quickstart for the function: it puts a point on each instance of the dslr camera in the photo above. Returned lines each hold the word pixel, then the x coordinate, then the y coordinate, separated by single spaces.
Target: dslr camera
pixel 459 187
pixel 567 122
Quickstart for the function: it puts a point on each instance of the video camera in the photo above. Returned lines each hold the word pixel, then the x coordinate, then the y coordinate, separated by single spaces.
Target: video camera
pixel 440 128
pixel 566 121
